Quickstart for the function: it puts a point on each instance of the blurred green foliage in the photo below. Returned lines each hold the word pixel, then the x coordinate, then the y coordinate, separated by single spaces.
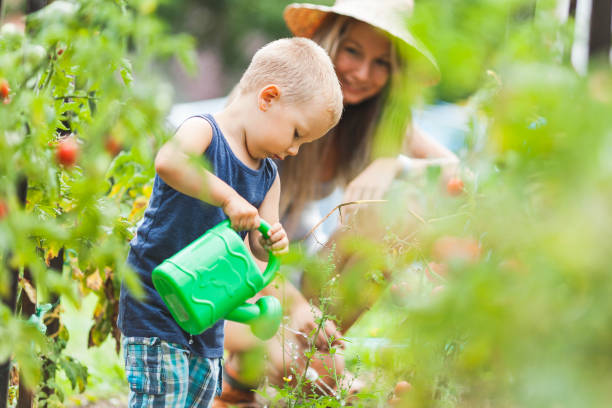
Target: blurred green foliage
pixel 499 295
pixel 81 71
pixel 230 28
pixel 524 314
pixel 469 39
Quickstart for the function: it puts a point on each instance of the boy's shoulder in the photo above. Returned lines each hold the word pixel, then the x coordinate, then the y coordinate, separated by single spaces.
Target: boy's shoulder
pixel 198 123
pixel 195 133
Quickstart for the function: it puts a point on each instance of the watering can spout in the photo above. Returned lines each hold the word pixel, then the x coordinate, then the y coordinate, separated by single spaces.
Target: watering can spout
pixel 264 316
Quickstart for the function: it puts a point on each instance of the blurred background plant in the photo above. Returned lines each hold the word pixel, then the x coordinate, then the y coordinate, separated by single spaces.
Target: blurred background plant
pixel 500 286
pixel 228 33
pixel 503 300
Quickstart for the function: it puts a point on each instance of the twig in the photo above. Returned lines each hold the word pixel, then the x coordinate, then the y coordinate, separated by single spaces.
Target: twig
pixel 417 216
pixel 445 217
pixel 338 207
pixel 323 244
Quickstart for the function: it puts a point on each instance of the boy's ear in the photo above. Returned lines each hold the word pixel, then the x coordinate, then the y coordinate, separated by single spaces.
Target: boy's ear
pixel 268 95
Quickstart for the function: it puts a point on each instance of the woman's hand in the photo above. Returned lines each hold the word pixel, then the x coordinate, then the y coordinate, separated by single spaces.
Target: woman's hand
pixel 303 319
pixel 374 181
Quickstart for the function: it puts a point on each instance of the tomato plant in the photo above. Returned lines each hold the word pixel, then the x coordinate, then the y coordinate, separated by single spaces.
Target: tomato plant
pixel 76 216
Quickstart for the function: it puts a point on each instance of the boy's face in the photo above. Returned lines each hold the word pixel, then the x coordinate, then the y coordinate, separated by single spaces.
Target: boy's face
pixel 280 128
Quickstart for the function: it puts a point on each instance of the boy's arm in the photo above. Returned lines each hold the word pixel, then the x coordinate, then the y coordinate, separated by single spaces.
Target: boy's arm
pixel 178 164
pixel 175 164
pixel 268 210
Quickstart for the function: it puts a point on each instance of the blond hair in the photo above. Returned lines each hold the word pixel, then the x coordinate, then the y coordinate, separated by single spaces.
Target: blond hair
pixel 351 140
pixel 303 71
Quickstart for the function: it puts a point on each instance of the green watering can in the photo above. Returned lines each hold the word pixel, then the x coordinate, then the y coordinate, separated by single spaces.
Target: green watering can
pixel 211 279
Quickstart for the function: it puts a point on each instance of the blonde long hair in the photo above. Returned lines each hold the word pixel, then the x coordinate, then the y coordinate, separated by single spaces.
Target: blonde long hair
pixel 351 139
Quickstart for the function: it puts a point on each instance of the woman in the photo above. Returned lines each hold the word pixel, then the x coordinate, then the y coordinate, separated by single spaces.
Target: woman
pixel 373 54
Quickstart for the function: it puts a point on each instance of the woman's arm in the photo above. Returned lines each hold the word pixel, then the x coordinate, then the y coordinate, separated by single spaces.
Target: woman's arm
pixel 374 181
pixel 423 151
pixel 420 145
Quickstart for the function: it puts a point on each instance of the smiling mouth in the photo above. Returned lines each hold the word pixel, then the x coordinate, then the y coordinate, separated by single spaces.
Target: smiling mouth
pixel 353 88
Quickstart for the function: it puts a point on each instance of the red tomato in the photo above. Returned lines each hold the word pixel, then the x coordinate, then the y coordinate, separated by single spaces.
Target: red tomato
pixel 402 387
pixel 67 151
pixel 399 394
pixel 112 146
pixel 5 90
pixel 3 209
pixel 454 186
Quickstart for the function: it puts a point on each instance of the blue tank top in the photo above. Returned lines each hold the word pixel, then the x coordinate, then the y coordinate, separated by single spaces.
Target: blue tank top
pixel 173 220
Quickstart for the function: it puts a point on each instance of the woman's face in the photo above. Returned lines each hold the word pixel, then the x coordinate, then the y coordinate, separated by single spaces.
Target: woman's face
pixel 363 62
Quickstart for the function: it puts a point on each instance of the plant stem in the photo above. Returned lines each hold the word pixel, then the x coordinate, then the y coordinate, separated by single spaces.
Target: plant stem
pixel 76 97
pixel 338 207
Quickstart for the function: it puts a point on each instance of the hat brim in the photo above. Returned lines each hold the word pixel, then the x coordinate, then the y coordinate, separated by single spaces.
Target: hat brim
pixel 304 19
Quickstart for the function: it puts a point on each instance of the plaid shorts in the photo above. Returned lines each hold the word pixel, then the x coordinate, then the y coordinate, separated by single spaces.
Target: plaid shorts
pixel 162 374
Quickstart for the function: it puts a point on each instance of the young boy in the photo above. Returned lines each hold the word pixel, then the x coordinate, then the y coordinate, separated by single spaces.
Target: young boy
pixel 289 95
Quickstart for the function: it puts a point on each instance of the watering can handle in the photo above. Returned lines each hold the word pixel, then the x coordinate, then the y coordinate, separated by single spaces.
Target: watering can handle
pixel 273 261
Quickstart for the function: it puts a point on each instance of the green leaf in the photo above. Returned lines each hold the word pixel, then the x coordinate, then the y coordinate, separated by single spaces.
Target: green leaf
pixel 75 372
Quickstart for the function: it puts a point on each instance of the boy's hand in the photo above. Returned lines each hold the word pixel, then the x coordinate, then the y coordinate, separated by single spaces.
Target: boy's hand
pixel 243 216
pixel 278 242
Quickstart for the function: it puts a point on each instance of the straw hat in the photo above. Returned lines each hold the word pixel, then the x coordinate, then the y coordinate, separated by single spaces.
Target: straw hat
pixel 303 19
